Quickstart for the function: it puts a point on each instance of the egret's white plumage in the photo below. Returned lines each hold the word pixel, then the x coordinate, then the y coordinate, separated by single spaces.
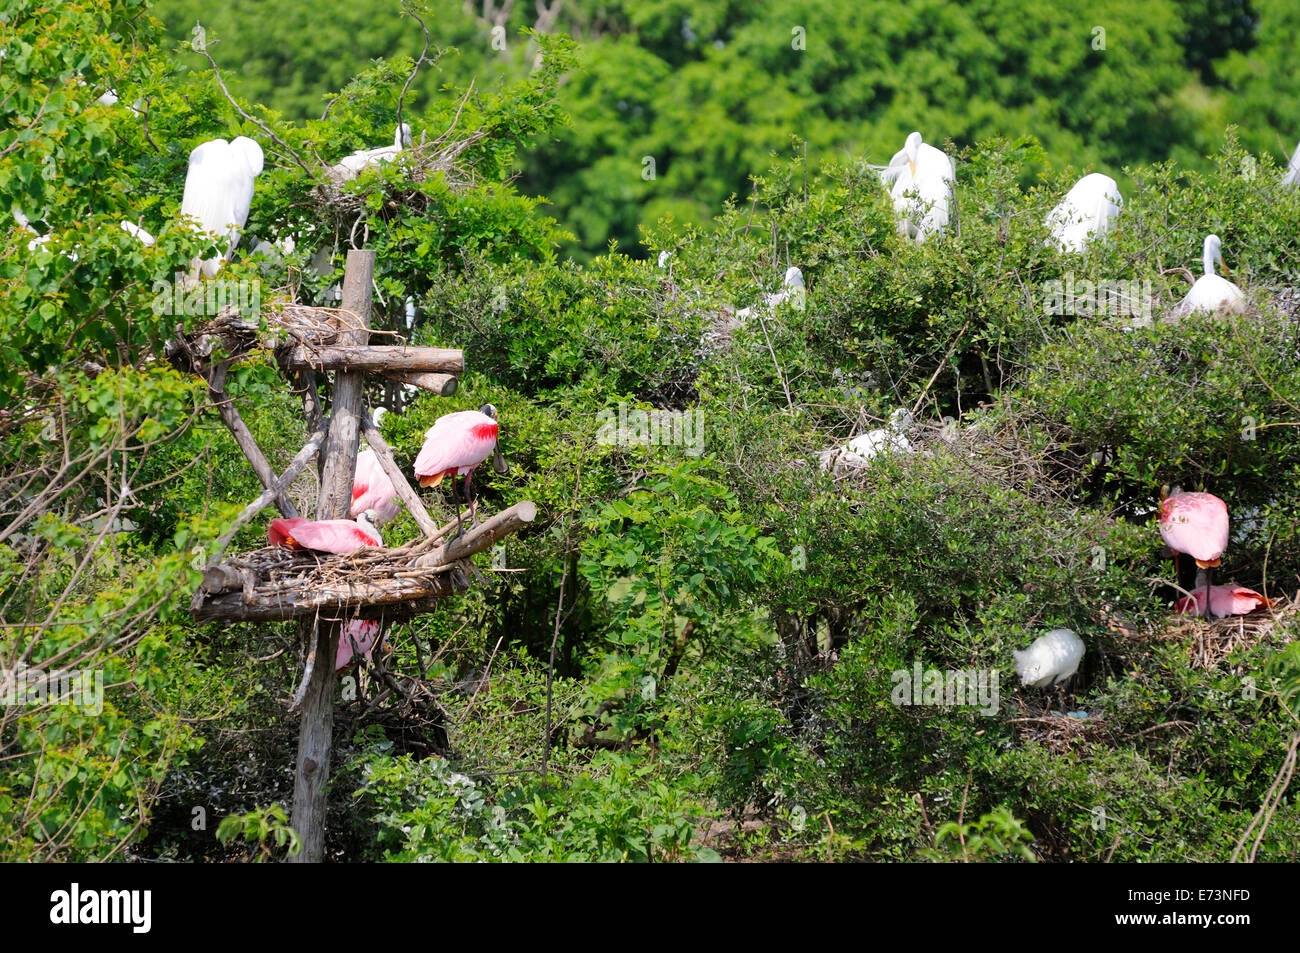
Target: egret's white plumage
pixel 792 290
pixel 219 191
pixel 1050 660
pixel 138 232
pixel 921 179
pixel 860 450
pixel 1087 211
pixel 1292 176
pixel 349 167
pixel 1211 292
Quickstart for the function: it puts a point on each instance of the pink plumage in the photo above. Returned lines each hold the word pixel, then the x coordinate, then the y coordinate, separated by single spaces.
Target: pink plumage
pixel 1195 524
pixel 326 536
pixel 455 445
pixel 364 633
pixel 371 488
pixel 1224 600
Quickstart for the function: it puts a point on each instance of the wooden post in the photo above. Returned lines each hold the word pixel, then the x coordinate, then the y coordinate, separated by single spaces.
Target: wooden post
pixel 339 463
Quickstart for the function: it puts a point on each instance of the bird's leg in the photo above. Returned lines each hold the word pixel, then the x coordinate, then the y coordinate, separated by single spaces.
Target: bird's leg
pixel 469 498
pixel 1209 614
pixel 460 530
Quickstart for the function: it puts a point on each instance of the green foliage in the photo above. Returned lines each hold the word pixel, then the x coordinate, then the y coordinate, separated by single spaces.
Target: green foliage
pixel 259 825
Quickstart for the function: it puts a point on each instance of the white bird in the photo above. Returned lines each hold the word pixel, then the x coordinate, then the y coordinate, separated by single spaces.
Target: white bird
pixel 1088 210
pixel 663 259
pixel 1210 292
pixel 1292 176
pixel 922 180
pixel 792 290
pixel 349 167
pixel 138 232
pixel 860 450
pixel 1050 660
pixel 219 191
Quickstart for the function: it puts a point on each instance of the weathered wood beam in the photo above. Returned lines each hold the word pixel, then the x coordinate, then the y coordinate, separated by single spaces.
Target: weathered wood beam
pixel 405 492
pixel 288 603
pixel 339 458
pixel 244 437
pixel 482 536
pixel 444 385
pixel 378 358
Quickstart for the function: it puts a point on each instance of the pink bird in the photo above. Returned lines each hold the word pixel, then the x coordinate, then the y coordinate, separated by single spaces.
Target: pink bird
pixel 1195 524
pixel 1224 600
pixel 326 536
pixel 356 640
pixel 372 490
pixel 455 445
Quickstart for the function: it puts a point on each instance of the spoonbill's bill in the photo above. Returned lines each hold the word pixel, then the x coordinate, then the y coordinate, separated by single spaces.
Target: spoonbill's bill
pixel 454 446
pixel 1088 211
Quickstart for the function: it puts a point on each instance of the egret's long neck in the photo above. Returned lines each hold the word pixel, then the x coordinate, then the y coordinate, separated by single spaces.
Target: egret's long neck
pixel 1207 259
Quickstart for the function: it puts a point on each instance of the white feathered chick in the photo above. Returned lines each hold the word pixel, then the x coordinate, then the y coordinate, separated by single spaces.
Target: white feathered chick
pixel 1052 659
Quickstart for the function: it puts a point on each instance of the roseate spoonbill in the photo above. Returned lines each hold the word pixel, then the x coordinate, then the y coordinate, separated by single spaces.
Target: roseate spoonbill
pixel 219 192
pixel 792 290
pixel 1224 600
pixel 455 445
pixel 357 640
pixel 1210 292
pixel 351 166
pixel 1195 524
pixel 922 180
pixel 372 490
pixel 1088 211
pixel 326 536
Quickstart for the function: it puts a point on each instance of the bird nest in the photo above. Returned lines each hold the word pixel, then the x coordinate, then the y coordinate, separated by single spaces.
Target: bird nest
pixel 1209 642
pixel 1057 731
pixel 423 161
pixel 371 583
pixel 286 325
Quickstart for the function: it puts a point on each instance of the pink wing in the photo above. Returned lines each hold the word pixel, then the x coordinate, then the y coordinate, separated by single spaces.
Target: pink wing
pixel 326 536
pixel 1225 600
pixel 364 633
pixel 371 489
pixel 459 441
pixel 1195 524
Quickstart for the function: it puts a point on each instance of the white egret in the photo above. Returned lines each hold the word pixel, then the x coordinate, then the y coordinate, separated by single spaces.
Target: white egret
pixel 1088 210
pixel 219 191
pixel 138 232
pixel 1292 176
pixel 792 290
pixel 922 180
pixel 351 166
pixel 1211 293
pixel 860 450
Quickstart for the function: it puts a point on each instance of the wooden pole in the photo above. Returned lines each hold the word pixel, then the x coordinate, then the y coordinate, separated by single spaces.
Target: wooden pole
pixel 339 463
pixel 244 437
pixel 444 385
